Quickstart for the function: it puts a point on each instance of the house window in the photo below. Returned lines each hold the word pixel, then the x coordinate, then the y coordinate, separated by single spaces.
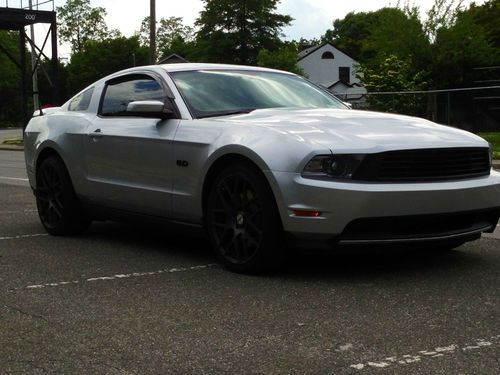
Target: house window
pixel 327 55
pixel 345 74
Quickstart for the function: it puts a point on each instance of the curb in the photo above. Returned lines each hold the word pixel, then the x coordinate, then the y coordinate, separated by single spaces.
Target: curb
pixel 11 147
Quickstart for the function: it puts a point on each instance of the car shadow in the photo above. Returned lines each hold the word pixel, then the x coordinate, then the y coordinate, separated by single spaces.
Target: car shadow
pixel 353 264
pixel 370 264
pixel 166 240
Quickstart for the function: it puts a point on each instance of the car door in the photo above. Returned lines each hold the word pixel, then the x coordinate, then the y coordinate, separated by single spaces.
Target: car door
pixel 129 158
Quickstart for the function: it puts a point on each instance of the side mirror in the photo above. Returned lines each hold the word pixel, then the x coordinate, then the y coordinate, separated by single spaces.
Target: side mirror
pixel 150 108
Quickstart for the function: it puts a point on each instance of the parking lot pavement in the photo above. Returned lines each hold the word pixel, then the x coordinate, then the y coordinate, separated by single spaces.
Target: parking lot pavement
pixel 122 299
pixel 12 168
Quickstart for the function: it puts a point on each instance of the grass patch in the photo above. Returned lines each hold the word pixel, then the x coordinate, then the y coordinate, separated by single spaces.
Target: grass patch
pixel 13 141
pixel 494 139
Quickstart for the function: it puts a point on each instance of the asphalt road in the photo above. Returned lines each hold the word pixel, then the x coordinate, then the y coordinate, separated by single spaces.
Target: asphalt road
pixel 127 300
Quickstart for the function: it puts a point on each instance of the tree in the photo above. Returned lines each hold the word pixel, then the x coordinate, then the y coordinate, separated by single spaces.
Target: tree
pixel 487 16
pixel 79 22
pixel 393 75
pixel 460 48
pixel 369 37
pixel 171 35
pixel 442 14
pixel 348 34
pixel 234 31
pixel 100 58
pixel 10 82
pixel 284 58
pixel 400 33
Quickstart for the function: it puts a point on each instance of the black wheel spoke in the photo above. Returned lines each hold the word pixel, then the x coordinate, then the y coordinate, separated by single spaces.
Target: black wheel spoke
pixel 235 218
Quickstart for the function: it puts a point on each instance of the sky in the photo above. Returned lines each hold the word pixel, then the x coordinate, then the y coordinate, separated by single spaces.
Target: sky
pixel 311 17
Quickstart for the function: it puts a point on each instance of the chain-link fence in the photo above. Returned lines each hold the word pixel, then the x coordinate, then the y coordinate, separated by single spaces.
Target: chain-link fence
pixel 476 109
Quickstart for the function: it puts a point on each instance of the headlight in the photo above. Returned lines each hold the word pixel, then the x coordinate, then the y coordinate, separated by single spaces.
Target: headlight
pixel 327 167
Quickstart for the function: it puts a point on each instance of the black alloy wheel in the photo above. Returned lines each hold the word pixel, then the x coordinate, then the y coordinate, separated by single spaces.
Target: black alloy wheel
pixel 58 207
pixel 242 220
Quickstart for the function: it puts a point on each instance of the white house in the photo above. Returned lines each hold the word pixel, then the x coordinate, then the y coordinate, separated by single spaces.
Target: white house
pixel 331 68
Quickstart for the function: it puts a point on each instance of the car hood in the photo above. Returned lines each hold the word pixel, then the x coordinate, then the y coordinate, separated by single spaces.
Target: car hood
pixel 340 129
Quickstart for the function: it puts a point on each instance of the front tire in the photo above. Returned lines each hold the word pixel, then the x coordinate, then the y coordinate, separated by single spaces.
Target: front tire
pixel 242 220
pixel 58 207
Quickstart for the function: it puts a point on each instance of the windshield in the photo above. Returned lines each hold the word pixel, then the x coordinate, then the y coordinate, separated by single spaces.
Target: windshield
pixel 211 93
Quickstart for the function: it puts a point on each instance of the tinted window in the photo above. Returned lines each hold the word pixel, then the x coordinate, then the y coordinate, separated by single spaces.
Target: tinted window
pixel 81 102
pixel 218 92
pixel 119 94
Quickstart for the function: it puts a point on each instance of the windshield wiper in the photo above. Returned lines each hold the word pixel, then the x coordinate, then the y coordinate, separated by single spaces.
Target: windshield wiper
pixel 228 113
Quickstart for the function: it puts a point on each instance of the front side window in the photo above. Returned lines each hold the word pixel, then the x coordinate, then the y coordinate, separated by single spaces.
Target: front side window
pixel 211 93
pixel 81 102
pixel 119 93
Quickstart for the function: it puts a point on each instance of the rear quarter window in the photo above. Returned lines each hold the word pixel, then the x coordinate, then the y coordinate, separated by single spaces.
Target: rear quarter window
pixel 81 102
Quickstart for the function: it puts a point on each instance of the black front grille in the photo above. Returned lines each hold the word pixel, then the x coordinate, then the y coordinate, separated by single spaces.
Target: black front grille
pixel 424 165
pixel 420 226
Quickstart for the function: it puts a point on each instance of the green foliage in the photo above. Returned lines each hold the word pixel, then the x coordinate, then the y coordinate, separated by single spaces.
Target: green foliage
pixel 46 87
pixel 494 139
pixel 444 50
pixel 488 17
pixel 442 14
pixel 460 48
pixel 78 23
pixel 349 34
pixel 393 75
pixel 10 82
pixel 172 36
pixel 400 34
pixel 284 58
pixel 233 31
pixel 369 37
pixel 100 58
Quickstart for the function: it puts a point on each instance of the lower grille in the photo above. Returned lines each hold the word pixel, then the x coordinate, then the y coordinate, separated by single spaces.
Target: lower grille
pixel 424 165
pixel 419 226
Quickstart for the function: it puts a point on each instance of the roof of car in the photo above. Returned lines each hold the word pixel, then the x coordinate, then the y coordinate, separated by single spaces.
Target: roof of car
pixel 205 66
pixel 187 67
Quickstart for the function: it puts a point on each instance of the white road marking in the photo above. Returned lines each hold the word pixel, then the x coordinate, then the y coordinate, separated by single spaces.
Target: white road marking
pixel 23 236
pixel 14 178
pixel 17 212
pixel 121 276
pixel 428 354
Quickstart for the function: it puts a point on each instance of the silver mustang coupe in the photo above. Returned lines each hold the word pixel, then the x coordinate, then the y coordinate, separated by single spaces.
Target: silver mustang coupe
pixel 253 154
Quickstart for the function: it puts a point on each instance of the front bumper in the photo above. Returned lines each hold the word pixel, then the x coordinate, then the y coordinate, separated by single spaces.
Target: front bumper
pixel 342 204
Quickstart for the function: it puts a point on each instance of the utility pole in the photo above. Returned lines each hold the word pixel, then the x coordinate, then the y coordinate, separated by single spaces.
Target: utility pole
pixel 152 32
pixel 34 75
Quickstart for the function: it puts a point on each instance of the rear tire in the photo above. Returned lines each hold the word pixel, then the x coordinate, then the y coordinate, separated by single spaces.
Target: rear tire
pixel 58 206
pixel 242 220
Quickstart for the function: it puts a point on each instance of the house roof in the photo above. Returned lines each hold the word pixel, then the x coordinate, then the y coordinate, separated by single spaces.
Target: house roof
pixel 306 52
pixel 175 57
pixel 355 84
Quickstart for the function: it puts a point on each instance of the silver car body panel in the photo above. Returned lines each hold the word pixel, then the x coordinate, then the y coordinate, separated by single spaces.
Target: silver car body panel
pixel 133 163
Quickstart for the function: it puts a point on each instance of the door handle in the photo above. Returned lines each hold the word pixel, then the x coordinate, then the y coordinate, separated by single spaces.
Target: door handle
pixel 96 134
